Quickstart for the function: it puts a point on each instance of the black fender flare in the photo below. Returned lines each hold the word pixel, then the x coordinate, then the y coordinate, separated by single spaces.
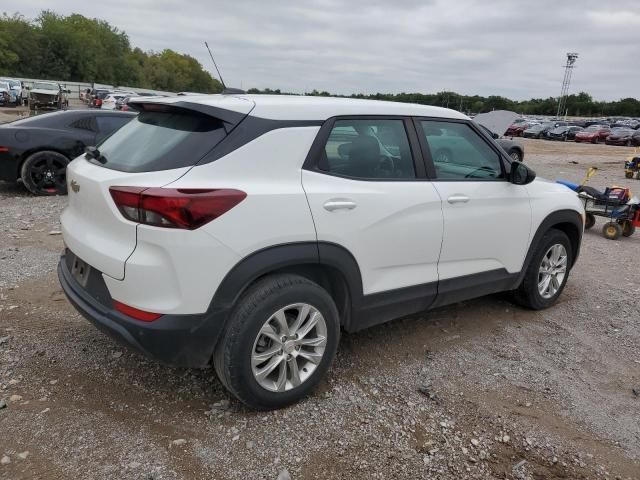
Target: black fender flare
pixel 278 257
pixel 561 219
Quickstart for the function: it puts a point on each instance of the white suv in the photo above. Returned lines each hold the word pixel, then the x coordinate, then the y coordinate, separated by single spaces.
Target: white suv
pixel 248 231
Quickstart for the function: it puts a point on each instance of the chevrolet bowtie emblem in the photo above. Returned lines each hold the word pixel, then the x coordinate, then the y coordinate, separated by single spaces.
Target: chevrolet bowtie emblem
pixel 75 186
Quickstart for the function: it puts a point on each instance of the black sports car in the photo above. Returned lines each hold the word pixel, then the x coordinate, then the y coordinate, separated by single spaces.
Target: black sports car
pixel 38 149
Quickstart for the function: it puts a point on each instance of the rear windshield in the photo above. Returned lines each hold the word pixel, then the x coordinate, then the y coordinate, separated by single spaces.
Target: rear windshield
pixel 160 141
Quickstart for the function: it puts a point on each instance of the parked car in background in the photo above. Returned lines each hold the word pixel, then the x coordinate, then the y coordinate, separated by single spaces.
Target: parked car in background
pixel 85 95
pixel 15 91
pixel 48 96
pixel 248 231
pixel 593 134
pixel 620 136
pixel 536 131
pixel 563 133
pixel 5 93
pixel 635 138
pixel 97 96
pixel 37 149
pixel 109 102
pixel 516 129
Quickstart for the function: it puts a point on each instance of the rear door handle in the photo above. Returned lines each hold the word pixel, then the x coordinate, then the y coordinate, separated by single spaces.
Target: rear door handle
pixel 458 199
pixel 339 204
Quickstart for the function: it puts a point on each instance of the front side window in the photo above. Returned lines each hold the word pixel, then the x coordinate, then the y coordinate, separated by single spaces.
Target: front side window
pixel 368 149
pixel 459 153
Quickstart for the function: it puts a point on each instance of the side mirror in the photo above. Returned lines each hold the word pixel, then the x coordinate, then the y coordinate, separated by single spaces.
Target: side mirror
pixel 521 174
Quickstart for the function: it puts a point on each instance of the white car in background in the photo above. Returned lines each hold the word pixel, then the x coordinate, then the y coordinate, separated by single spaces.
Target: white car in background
pixel 109 102
pixel 15 90
pixel 5 93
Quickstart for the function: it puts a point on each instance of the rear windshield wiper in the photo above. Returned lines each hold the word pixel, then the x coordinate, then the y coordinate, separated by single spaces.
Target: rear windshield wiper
pixel 92 153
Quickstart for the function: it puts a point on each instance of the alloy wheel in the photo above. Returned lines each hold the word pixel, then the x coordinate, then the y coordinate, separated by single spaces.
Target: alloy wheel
pixel 289 347
pixel 553 269
pixel 49 174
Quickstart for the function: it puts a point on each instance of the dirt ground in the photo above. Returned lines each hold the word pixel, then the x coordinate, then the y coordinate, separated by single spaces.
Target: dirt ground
pixel 481 389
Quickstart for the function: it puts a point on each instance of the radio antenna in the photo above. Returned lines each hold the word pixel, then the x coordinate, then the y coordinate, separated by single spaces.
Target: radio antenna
pixel 214 64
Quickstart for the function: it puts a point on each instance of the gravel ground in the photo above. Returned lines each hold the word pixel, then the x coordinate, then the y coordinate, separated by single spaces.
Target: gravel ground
pixel 481 389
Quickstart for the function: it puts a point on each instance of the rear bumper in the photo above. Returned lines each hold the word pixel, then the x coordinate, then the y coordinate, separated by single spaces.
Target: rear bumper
pixel 179 340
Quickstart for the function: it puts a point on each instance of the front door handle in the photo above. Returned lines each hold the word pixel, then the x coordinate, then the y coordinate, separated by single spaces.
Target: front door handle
pixel 458 199
pixel 339 204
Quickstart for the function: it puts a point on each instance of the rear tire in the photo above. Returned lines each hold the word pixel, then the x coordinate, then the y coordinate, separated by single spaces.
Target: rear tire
pixel 611 231
pixel 44 173
pixel 515 155
pixel 628 228
pixel 590 221
pixel 238 360
pixel 528 293
pixel 628 174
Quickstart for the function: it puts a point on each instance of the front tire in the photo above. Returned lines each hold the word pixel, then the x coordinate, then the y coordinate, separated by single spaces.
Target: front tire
pixel 281 339
pixel 547 272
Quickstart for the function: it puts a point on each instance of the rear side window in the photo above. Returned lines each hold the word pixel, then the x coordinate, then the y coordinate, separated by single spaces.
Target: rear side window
pixel 108 124
pixel 85 123
pixel 161 140
pixel 368 149
pixel 459 153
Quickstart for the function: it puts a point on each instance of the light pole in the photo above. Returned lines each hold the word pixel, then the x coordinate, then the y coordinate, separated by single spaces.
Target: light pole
pixel 568 70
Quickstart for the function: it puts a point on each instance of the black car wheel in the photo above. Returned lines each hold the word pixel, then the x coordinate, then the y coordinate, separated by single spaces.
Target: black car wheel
pixel 515 155
pixel 45 173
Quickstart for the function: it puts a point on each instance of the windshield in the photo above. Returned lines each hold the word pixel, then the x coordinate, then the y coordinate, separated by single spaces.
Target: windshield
pixel 45 86
pixel 161 141
pixel 4 85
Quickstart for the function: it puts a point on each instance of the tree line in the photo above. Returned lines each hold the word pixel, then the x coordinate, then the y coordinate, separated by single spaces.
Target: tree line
pixel 581 104
pixel 81 49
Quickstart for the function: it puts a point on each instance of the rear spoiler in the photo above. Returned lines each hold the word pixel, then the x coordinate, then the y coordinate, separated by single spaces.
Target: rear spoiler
pixel 228 117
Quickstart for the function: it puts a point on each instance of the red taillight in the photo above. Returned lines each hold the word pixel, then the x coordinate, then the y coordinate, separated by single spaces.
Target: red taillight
pixel 184 208
pixel 4 149
pixel 135 313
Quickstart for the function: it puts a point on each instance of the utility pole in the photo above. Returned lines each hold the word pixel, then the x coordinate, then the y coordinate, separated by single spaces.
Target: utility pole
pixel 568 70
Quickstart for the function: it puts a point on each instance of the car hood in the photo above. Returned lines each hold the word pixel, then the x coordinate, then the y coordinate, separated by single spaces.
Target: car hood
pixel 42 91
pixel 497 121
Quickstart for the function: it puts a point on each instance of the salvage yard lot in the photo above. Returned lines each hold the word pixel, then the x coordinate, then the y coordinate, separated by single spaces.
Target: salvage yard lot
pixel 482 389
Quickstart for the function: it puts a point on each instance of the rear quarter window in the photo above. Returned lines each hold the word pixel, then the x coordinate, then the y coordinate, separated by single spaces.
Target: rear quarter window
pixel 161 140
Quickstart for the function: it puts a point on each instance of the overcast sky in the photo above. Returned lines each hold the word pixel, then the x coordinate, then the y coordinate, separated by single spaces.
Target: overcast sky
pixel 493 47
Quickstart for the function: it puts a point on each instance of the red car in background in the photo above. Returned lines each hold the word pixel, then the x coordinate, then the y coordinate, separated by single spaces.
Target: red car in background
pixel 516 129
pixel 593 134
